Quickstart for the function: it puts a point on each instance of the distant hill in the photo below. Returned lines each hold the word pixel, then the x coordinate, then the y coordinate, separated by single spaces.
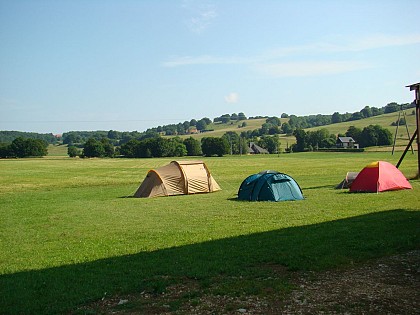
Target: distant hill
pixel 250 128
pixel 385 121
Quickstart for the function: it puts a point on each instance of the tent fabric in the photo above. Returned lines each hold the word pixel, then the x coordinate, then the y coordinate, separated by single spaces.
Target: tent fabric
pixel 269 186
pixel 347 181
pixel 177 178
pixel 380 176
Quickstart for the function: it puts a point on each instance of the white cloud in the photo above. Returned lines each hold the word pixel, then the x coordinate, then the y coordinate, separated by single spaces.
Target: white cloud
pixel 375 41
pixel 309 68
pixel 232 98
pixel 202 14
pixel 383 40
pixel 321 48
pixel 205 60
pixel 272 62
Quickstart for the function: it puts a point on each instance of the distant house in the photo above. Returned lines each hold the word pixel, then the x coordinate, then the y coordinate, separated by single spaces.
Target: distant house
pixel 346 143
pixel 256 149
pixel 192 130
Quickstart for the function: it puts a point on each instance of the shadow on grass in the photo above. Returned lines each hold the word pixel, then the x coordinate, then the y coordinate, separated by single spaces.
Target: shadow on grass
pixel 318 187
pixel 313 247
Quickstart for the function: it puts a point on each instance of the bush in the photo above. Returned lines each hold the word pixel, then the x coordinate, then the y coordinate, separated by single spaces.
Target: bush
pixel 214 146
pixel 72 151
pixel 21 147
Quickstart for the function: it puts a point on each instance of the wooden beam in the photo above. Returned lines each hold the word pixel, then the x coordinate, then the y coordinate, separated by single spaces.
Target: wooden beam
pixel 416 87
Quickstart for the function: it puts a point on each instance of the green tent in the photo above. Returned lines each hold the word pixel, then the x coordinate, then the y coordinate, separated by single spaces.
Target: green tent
pixel 269 186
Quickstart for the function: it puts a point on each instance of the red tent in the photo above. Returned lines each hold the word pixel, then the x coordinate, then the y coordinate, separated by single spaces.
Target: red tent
pixel 379 176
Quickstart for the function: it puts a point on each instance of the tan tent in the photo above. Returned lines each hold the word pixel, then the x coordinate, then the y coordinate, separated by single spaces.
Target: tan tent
pixel 177 178
pixel 348 180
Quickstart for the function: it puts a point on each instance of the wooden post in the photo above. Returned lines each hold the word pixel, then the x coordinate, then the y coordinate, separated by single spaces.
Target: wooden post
pixel 416 88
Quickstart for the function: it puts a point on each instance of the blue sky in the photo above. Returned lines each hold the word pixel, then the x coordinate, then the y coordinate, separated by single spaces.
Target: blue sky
pixel 130 65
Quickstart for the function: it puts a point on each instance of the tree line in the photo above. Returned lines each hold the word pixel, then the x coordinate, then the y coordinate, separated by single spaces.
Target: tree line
pixel 273 125
pixel 153 147
pixel 372 135
pixel 150 143
pixel 9 136
pixel 21 147
pixel 230 143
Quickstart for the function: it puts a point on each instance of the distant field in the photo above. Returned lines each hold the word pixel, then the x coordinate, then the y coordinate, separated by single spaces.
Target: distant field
pixel 220 129
pixel 286 141
pixel 385 121
pixel 70 234
pixel 57 150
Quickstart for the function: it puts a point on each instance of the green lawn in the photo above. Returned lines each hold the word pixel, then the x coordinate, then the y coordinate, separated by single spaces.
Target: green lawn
pixel 69 231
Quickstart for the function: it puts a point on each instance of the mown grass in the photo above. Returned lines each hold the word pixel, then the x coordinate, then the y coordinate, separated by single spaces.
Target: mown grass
pixel 70 232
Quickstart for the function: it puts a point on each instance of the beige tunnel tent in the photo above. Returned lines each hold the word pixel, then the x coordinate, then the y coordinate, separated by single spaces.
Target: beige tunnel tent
pixel 177 178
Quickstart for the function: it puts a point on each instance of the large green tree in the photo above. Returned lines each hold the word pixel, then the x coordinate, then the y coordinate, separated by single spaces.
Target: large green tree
pixel 193 147
pixel 73 151
pixel 301 140
pixel 201 124
pixel 355 133
pixel 214 146
pixel 21 147
pixel 93 148
pixel 271 143
pixel 233 140
pixel 375 135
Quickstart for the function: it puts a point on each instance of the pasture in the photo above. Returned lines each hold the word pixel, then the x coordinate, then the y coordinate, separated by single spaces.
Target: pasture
pixel 70 234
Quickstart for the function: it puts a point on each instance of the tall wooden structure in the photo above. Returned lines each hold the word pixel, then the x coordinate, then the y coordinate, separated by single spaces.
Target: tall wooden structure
pixel 416 88
pixel 406 128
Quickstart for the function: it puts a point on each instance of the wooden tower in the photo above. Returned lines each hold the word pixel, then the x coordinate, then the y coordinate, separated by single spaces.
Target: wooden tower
pixel 416 88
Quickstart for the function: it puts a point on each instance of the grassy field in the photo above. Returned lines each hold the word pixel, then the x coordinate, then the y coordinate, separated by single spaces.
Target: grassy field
pixel 70 234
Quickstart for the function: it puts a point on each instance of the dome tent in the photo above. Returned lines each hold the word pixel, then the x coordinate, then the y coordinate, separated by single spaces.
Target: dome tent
pixel 379 176
pixel 347 181
pixel 177 178
pixel 269 186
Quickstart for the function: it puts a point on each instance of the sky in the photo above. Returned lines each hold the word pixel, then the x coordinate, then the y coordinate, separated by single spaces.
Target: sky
pixel 128 65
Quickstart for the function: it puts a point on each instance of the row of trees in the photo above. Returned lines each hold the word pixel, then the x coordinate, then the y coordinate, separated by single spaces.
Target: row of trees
pixel 153 147
pixel 272 125
pixel 303 122
pixel 226 118
pixel 181 128
pixel 115 137
pixel 93 148
pixel 372 135
pixel 312 140
pixel 229 143
pixel 9 136
pixel 21 147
